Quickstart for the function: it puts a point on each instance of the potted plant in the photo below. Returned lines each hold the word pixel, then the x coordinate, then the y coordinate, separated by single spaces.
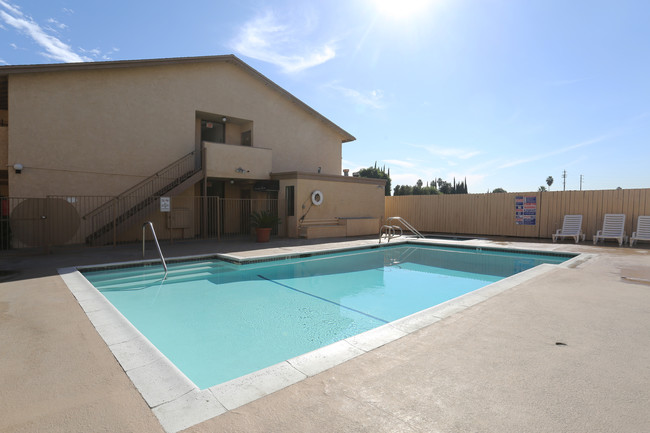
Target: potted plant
pixel 263 222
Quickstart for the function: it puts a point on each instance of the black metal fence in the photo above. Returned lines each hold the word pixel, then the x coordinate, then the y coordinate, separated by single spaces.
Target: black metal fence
pixel 96 220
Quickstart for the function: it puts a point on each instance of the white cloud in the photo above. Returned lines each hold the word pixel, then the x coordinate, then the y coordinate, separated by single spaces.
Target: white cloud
pixel 11 8
pixel 447 152
pixel 372 99
pixel 553 153
pixel 2 62
pixel 282 44
pixel 54 48
pixel 54 22
pixel 399 163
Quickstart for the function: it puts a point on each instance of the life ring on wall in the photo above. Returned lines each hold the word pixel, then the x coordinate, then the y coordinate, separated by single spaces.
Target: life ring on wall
pixel 317 197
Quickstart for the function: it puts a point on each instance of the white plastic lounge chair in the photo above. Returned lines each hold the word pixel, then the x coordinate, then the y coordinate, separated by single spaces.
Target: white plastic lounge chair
pixel 642 232
pixel 613 228
pixel 571 228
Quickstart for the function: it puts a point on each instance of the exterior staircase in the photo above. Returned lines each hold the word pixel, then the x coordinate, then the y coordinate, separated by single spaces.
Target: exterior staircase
pixel 135 204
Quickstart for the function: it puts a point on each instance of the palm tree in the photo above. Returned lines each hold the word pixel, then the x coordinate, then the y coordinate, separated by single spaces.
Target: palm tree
pixel 549 182
pixel 542 188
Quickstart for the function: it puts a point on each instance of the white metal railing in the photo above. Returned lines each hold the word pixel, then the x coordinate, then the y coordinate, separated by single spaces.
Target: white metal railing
pixel 389 230
pixel 155 238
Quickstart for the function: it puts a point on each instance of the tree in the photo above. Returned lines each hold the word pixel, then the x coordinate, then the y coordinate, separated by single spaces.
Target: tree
pixel 498 190
pixel 429 188
pixel 377 173
pixel 403 190
pixel 549 182
pixel 444 187
pixel 542 188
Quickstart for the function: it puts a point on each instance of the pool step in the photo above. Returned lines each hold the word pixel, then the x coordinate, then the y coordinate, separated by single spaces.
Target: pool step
pixel 143 277
pixel 113 274
pixel 153 280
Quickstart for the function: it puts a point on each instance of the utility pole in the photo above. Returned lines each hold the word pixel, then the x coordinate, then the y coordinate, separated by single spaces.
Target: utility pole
pixel 581 177
pixel 564 180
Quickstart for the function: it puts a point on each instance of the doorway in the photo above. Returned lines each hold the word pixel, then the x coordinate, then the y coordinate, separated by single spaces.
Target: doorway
pixel 213 131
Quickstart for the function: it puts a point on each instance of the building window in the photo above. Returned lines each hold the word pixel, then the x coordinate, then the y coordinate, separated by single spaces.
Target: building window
pixel 290 197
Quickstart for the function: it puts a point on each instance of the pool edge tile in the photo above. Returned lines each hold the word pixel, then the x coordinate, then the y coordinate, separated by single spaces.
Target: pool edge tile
pixel 376 337
pixel 160 382
pixel 322 359
pixel 242 390
pixel 187 410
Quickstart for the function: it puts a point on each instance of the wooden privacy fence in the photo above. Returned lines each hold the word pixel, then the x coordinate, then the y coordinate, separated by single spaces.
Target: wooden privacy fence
pixel 494 214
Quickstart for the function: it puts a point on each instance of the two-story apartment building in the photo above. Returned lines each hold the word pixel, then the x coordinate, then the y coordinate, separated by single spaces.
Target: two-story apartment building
pixel 127 131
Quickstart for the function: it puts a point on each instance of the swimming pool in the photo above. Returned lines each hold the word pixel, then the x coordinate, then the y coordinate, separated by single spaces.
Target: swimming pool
pixel 217 320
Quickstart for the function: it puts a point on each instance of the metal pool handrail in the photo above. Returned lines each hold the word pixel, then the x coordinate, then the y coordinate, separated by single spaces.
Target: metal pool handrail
pixel 155 238
pixel 405 224
pixel 389 229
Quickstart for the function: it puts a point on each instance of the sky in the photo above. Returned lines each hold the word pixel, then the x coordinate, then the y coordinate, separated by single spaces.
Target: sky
pixel 502 93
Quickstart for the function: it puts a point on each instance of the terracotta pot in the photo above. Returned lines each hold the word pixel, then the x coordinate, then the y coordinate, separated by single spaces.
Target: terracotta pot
pixel 263 235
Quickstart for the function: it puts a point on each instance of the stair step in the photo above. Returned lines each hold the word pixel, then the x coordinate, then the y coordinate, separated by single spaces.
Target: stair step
pixel 127 274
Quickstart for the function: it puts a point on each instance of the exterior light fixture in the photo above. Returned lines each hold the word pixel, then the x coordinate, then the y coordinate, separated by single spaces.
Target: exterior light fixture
pixel 18 168
pixel 223 119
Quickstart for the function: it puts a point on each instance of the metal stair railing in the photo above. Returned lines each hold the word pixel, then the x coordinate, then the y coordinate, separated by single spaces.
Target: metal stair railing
pixel 105 219
pixel 183 167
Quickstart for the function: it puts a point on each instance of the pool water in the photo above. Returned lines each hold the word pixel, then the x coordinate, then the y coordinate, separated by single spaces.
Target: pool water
pixel 217 321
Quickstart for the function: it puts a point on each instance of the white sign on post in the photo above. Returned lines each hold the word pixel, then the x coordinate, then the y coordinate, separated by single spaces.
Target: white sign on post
pixel 165 204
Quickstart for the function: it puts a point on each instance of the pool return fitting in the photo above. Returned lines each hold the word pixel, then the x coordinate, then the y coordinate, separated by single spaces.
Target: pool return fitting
pixel 155 238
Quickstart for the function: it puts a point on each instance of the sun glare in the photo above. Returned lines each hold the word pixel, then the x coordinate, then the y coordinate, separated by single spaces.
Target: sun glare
pixel 401 9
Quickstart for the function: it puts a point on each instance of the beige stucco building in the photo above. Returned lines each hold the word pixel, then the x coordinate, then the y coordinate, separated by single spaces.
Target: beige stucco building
pixel 185 128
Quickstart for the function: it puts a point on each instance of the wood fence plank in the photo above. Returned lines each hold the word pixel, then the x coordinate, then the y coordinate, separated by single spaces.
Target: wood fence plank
pixel 494 214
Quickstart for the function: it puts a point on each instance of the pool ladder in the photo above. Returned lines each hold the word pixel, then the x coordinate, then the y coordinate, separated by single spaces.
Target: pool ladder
pixel 155 238
pixel 390 229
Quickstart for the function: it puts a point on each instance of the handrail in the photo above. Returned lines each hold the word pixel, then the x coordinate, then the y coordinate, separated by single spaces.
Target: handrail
pixel 155 238
pixel 406 224
pixel 389 230
pixel 176 169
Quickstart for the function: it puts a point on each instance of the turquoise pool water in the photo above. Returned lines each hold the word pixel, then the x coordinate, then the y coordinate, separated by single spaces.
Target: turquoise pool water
pixel 217 320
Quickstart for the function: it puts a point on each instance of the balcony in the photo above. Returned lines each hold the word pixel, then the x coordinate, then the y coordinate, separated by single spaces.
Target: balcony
pixel 237 162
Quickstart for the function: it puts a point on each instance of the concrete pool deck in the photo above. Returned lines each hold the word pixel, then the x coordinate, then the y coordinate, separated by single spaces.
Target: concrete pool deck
pixel 494 367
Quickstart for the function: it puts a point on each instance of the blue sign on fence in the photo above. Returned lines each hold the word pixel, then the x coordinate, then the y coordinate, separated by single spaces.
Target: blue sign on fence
pixel 526 210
